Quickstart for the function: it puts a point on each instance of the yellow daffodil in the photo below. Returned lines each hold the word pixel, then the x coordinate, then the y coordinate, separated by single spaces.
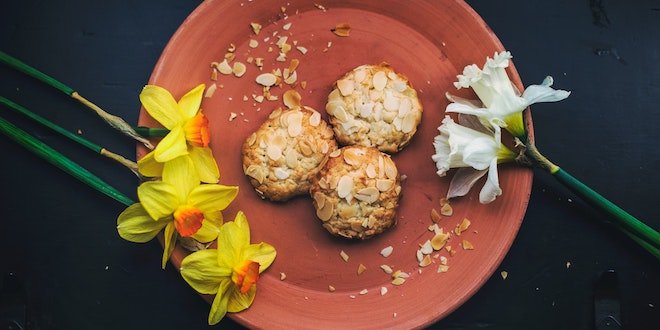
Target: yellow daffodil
pixel 231 271
pixel 178 203
pixel 189 132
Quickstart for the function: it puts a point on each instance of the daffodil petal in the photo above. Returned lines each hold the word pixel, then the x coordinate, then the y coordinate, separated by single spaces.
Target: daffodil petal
pixel 158 198
pixel 189 103
pixel 491 188
pixel 232 240
pixel 467 109
pixel 480 152
pixel 208 232
pixel 544 93
pixel 262 253
pixel 149 167
pixel 240 301
pixel 170 242
pixel 463 180
pixel 207 168
pixel 201 271
pixel 136 225
pixel 180 172
pixel 160 104
pixel 171 146
pixel 212 197
pixel 219 306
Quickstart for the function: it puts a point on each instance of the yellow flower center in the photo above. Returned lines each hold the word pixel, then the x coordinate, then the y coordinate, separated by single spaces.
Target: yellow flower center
pixel 197 131
pixel 245 275
pixel 188 220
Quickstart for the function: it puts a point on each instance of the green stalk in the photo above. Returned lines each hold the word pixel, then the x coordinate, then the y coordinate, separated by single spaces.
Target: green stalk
pixel 112 120
pixel 641 233
pixel 76 138
pixel 52 156
pixel 151 132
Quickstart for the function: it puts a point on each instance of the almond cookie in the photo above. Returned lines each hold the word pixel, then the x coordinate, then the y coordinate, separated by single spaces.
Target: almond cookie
pixel 357 192
pixel 373 106
pixel 286 151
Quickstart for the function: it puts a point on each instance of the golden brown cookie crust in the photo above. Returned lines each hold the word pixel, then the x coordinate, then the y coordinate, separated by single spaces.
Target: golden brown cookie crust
pixel 373 106
pixel 357 192
pixel 286 151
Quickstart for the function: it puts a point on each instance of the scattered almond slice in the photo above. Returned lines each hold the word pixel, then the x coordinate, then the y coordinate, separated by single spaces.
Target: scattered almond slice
pixel 446 210
pixel 331 288
pixel 387 269
pixel 467 245
pixel 361 269
pixel 256 27
pixel 291 99
pixel 383 290
pixel 387 251
pixel 282 276
pixel 253 43
pixel 303 84
pixel 302 49
pixel 461 227
pixel 435 216
pixel 342 30
pixel 427 247
pixel 320 7
pixel 239 69
pixel 504 274
pixel 286 26
pixel 293 65
pixel 443 268
pixel 291 79
pixel 343 255
pixel 232 116
pixel 211 90
pixel 364 291
pixel 266 79
pixel 439 240
pixel 398 281
pixel 426 261
pixel 224 67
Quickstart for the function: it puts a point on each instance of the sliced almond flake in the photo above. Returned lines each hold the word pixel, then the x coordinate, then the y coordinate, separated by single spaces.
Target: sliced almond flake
pixel 230 56
pixel 387 269
pixel 384 185
pixel 319 6
pixel 446 210
pixel 419 255
pixel 329 44
pixel 302 49
pixel 291 99
pixel 461 227
pixel 504 274
pixel 286 26
pixel 398 281
pixel 253 43
pixel 361 269
pixel 343 255
pixel 231 48
pixel 245 98
pixel 467 245
pixel 281 57
pixel 291 79
pixel 303 84
pixel 281 41
pixel 270 49
pixel 224 67
pixel 256 27
pixel 326 212
pixel 210 91
pixel 274 152
pixel 214 74
pixel 255 172
pixel 435 216
pixel 335 153
pixel 250 59
pixel 383 290
pixel 352 296
pixel 293 65
pixel 387 251
pixel 379 80
pixel 401 274
pixel 281 173
pixel 266 79
pixel 258 98
pixel 443 260
pixel 342 30
pixel 315 119
pixel 425 262
pixel 232 116
pixel 331 288
pixel 364 291
pixel 239 69
pixel 427 248
pixel 439 240
pixel 344 186
pixel 282 276
pixel 259 62
pixel 443 268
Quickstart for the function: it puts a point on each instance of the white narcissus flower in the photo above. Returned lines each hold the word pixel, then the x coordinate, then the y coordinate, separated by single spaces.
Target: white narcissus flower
pixel 475 151
pixel 502 104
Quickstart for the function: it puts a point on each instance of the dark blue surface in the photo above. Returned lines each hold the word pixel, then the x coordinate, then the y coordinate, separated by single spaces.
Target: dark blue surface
pixel 59 237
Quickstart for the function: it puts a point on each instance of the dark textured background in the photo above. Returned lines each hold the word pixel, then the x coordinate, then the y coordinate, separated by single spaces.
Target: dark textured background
pixel 59 239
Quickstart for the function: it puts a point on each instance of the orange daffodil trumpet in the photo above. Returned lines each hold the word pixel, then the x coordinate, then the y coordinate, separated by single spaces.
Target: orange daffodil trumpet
pixel 231 271
pixel 178 203
pixel 189 134
pixel 474 145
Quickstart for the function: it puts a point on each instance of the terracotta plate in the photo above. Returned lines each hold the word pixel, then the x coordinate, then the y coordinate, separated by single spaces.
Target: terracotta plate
pixel 430 42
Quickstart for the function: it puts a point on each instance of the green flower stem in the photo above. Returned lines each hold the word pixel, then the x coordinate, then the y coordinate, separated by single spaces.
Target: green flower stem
pixel 641 233
pixel 52 156
pixel 151 132
pixel 76 138
pixel 112 120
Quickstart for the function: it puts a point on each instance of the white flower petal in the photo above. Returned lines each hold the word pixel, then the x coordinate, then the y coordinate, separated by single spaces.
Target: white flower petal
pixel 458 99
pixel 544 93
pixel 463 181
pixel 467 109
pixel 491 188
pixel 480 152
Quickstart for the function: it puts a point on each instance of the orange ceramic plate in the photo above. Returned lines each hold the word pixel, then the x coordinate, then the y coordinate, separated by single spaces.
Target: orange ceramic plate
pixel 430 42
